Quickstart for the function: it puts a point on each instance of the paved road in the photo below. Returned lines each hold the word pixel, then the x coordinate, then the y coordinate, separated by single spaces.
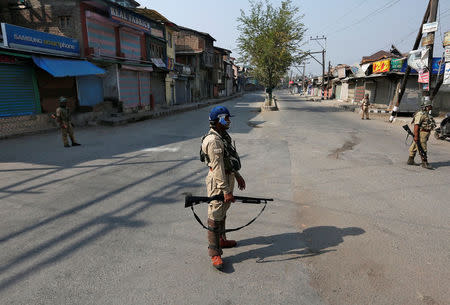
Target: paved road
pixel 104 223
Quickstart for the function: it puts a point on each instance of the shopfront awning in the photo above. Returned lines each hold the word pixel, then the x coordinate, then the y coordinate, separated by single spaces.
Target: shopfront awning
pixel 59 67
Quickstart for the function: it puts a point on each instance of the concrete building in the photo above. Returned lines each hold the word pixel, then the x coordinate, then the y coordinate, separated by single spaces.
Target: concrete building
pixel 196 50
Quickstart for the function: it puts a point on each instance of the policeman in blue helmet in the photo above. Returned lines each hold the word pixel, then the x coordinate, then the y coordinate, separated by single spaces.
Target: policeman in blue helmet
pixel 222 159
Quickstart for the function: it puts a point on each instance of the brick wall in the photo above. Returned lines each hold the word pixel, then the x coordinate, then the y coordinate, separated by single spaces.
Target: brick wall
pixel 19 125
pixel 44 15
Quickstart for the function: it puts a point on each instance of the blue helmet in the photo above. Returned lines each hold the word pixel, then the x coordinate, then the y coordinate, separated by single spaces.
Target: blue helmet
pixel 219 113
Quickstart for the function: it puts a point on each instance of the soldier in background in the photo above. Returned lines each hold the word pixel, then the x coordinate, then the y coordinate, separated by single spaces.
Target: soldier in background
pixel 365 107
pixel 423 125
pixel 63 117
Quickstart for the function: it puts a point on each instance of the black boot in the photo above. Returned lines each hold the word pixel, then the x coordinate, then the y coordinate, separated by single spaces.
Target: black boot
pixel 426 165
pixel 411 161
pixel 214 249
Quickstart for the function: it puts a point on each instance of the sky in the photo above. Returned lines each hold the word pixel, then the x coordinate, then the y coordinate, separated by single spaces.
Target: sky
pixel 353 28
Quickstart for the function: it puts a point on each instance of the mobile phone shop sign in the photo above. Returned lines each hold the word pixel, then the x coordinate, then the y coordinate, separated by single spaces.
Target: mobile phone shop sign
pixel 17 37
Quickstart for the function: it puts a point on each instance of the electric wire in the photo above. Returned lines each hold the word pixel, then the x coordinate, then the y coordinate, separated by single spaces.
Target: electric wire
pixel 384 7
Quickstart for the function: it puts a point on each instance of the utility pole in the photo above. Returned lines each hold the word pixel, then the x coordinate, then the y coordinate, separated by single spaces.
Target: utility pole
pixel 303 79
pixel 328 78
pixel 430 37
pixel 317 39
pixel 398 95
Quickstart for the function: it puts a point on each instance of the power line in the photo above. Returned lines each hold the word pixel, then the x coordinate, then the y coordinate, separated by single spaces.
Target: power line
pixel 385 6
pixel 345 15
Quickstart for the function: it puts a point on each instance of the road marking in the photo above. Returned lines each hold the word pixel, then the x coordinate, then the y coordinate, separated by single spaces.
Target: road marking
pixel 162 149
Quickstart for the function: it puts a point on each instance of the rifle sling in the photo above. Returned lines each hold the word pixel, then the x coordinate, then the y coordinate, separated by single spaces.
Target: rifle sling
pixel 227 230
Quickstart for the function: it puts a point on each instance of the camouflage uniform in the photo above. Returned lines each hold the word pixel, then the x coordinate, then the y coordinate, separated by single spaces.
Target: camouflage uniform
pixel 426 125
pixel 365 108
pixel 63 116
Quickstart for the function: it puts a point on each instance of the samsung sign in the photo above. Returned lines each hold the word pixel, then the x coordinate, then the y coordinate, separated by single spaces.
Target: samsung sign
pixel 17 37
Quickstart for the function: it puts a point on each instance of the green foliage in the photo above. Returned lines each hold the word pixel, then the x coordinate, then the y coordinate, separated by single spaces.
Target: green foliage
pixel 269 40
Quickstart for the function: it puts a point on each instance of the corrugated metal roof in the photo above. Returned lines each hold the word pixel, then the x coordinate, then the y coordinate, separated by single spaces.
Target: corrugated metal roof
pixel 378 56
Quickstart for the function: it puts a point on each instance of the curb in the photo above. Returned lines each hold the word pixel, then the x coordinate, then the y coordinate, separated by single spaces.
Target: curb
pixel 130 118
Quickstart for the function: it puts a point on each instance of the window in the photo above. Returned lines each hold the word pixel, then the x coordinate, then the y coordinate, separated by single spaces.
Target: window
pixel 65 22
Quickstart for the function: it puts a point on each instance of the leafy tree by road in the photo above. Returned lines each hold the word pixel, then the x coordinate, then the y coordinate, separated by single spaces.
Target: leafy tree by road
pixel 269 40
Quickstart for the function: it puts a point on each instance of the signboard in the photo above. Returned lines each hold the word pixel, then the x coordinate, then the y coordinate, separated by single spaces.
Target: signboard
pixel 158 62
pixel 129 18
pixel 382 66
pixel 170 63
pixel 428 40
pixel 438 66
pixel 447 54
pixel 424 77
pixel 447 39
pixel 17 37
pixel 430 27
pixel 447 74
pixel 396 65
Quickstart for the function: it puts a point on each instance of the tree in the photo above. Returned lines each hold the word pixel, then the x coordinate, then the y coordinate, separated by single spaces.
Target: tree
pixel 269 41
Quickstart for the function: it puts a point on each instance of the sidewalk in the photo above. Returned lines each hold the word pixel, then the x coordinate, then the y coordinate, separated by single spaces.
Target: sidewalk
pixel 116 119
pixel 33 124
pixel 379 110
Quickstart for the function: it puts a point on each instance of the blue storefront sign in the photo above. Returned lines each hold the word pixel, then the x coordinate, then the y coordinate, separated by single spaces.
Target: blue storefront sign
pixel 17 37
pixel 435 66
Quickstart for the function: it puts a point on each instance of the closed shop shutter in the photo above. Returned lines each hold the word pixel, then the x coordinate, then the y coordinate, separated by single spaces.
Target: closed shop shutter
pixel 130 44
pixel 158 82
pixel 90 90
pixel 338 91
pixel 18 95
pixel 144 88
pixel 129 88
pixel 351 91
pixel 384 91
pixel 101 34
pixel 181 91
pixel 371 90
pixel 344 92
pixel 359 92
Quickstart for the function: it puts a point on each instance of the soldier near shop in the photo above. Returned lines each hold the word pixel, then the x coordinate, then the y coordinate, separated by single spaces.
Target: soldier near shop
pixel 63 117
pixel 423 125
pixel 224 164
pixel 365 107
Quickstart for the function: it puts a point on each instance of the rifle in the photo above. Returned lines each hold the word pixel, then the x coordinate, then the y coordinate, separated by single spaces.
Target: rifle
pixel 422 153
pixel 193 200
pixel 190 201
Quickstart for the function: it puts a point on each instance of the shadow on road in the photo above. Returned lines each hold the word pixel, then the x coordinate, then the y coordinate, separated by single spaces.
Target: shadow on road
pixel 290 246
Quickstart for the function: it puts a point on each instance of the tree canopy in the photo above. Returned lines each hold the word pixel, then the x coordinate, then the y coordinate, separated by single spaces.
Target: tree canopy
pixel 269 40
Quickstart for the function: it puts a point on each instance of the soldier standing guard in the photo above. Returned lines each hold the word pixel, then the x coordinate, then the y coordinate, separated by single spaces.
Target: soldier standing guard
pixel 63 117
pixel 423 125
pixel 365 107
pixel 224 164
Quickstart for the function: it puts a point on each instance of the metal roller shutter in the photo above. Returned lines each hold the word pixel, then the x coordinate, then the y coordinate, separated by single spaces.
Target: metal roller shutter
pixel 129 88
pixel 90 90
pixel 144 87
pixel 18 95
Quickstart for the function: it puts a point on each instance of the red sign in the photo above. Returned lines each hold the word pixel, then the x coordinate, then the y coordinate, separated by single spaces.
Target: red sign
pixel 382 66
pixel 7 59
pixel 424 77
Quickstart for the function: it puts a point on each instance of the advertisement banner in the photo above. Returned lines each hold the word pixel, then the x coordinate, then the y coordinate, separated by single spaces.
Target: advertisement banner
pixel 396 65
pixel 447 54
pixel 424 77
pixel 447 39
pixel 430 27
pixel 447 74
pixel 428 40
pixel 17 37
pixel 381 66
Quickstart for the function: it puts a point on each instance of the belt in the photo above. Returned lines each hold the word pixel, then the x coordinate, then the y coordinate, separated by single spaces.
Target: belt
pixel 226 171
